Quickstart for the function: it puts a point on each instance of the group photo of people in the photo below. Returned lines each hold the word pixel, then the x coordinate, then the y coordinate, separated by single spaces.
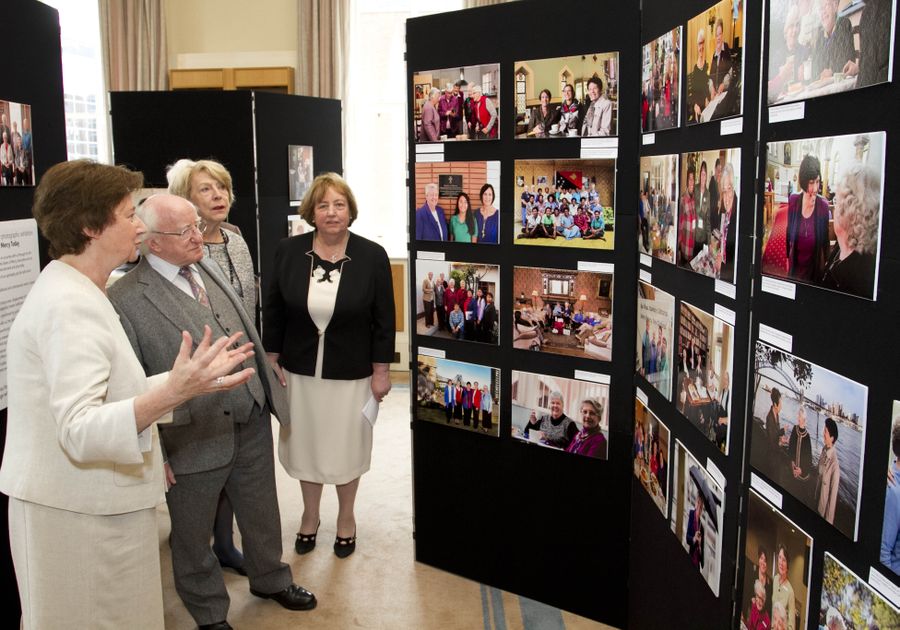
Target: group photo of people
pixel 568 97
pixel 808 434
pixel 777 561
pixel 457 103
pixel 458 202
pixel 698 503
pixel 655 329
pixel 709 212
pixel 300 171
pixel 650 453
pixel 822 211
pixel 661 82
pixel 458 394
pixel 561 413
pixel 848 602
pixel 703 384
pixel 563 312
pixel 565 203
pixel 16 145
pixel 715 69
pixel 821 47
pixel 457 300
pixel 658 206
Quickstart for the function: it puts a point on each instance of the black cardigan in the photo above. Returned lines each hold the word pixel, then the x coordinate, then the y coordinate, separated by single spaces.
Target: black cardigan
pixel 361 331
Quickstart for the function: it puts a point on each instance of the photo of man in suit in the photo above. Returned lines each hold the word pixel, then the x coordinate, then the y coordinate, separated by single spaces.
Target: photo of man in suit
pixel 215 442
pixel 431 222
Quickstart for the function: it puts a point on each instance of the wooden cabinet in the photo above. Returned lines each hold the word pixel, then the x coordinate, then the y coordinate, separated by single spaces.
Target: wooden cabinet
pixel 279 80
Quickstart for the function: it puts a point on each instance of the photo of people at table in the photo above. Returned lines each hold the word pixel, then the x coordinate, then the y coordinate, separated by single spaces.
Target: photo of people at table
pixel 565 203
pixel 661 82
pixel 890 531
pixel 655 343
pixel 698 503
pixel 821 47
pixel 457 300
pixel 561 413
pixel 714 50
pixel 777 561
pixel 16 145
pixel 458 202
pixel 458 394
pixel 457 103
pixel 808 434
pixel 849 602
pixel 568 97
pixel 822 211
pixel 703 385
pixel 708 212
pixel 658 206
pixel 650 453
pixel 563 312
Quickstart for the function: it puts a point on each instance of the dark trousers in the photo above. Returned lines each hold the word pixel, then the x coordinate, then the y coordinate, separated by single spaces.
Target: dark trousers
pixel 486 421
pixel 441 316
pixel 249 480
pixel 448 410
pixel 467 416
pixel 429 313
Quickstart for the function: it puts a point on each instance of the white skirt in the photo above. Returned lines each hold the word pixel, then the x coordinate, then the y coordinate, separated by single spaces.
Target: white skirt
pixel 328 440
pixel 86 571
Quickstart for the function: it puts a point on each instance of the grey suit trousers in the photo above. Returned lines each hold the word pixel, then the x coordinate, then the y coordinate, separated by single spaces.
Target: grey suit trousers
pixel 249 480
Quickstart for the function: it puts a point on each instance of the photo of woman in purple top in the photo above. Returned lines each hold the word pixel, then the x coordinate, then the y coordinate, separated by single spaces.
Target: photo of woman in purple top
pixel 589 441
pixel 807 224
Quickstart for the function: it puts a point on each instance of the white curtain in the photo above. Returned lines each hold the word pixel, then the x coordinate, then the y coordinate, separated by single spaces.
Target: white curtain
pixel 133 34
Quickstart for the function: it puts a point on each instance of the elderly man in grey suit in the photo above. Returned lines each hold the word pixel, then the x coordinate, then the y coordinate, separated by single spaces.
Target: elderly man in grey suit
pixel 215 441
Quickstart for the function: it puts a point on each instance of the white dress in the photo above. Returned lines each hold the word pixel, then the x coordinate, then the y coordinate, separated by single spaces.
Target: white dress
pixel 328 439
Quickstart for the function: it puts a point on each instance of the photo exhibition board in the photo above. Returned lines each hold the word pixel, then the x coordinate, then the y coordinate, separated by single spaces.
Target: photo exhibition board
pixel 553 276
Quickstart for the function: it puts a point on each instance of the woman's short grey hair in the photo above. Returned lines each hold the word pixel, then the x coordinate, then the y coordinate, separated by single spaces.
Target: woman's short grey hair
pixel 431 186
pixel 596 404
pixel 833 620
pixel 556 395
pixel 475 88
pixel 861 214
pixel 779 611
pixel 434 91
pixel 759 589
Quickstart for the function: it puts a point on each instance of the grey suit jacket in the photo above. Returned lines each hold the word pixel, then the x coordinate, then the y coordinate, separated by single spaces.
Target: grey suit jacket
pixel 201 436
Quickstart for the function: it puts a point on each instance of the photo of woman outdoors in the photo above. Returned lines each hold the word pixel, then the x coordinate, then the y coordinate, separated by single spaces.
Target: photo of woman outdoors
pixel 714 50
pixel 563 312
pixel 567 97
pixel 562 413
pixel 458 394
pixel 698 503
pixel 651 455
pixel 705 351
pixel 708 212
pixel 828 47
pixel 890 530
pixel 777 557
pixel 808 433
pixel 456 300
pixel 661 82
pixel 822 216
pixel 457 103
pixel 657 206
pixel 655 343
pixel 565 203
pixel 848 602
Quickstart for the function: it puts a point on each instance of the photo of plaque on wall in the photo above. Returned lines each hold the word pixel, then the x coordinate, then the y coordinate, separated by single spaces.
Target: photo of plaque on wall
pixel 458 202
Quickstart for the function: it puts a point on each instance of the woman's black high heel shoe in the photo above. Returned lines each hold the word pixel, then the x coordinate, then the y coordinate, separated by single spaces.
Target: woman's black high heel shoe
pixel 306 542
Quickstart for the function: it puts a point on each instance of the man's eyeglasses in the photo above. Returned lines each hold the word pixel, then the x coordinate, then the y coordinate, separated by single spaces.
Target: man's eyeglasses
pixel 185 234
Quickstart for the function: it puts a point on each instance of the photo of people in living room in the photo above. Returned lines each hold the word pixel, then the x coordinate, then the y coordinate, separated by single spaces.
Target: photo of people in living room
pixel 16 145
pixel 457 103
pixel 822 212
pixel 568 97
pixel 661 82
pixel 808 434
pixel 458 202
pixel 703 385
pixel 565 203
pixel 458 394
pixel 563 312
pixel 651 455
pixel 561 413
pixel 715 70
pixel 709 212
pixel 828 47
pixel 698 503
pixel 458 300
pixel 655 341
pixel 778 561
pixel 658 206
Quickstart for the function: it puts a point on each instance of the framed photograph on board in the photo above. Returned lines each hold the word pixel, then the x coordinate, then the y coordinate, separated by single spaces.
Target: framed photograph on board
pixel 458 394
